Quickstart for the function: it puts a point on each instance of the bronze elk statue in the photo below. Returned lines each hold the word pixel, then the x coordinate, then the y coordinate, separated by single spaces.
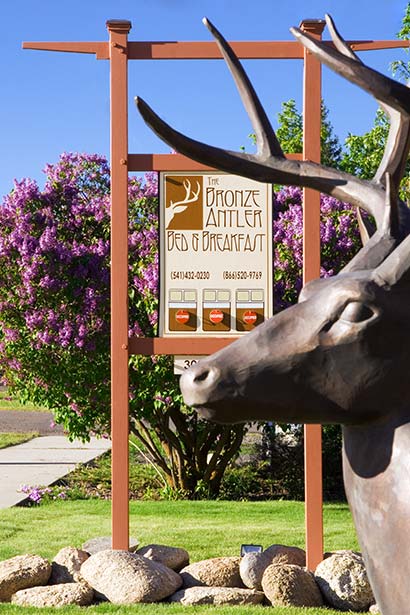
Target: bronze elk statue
pixel 342 354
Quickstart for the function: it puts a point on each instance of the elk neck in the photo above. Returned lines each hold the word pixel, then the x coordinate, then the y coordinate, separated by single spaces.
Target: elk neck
pixel 376 465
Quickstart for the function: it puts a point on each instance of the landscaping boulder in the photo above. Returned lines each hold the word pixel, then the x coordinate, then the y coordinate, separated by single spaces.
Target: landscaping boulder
pixel 173 557
pixel 281 554
pixel 290 585
pixel 102 543
pixel 217 595
pixel 65 567
pixel 21 572
pixel 339 551
pixel 62 594
pixel 253 565
pixel 216 572
pixel 127 578
pixel 343 582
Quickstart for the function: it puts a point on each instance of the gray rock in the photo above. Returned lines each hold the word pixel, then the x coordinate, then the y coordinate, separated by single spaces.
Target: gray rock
pixel 281 554
pixel 63 594
pixel 217 595
pixel 343 582
pixel 21 572
pixel 173 557
pixel 339 551
pixel 65 567
pixel 127 578
pixel 102 543
pixel 216 572
pixel 290 585
pixel 253 565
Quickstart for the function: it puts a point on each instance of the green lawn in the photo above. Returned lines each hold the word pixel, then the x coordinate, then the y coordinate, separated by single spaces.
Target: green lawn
pixel 10 439
pixel 205 529
pixel 163 609
pixel 8 402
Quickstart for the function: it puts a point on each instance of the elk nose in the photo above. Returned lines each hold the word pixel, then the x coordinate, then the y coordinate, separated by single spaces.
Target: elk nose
pixel 198 383
pixel 202 375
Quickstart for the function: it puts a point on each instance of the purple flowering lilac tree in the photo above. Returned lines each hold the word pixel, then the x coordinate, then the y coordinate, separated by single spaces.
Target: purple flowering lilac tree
pixel 54 310
pixel 54 319
pixel 339 235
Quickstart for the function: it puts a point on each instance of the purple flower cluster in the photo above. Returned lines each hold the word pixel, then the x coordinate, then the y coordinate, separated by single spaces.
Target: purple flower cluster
pixel 339 236
pixel 167 401
pixel 37 494
pixel 54 286
pixel 52 242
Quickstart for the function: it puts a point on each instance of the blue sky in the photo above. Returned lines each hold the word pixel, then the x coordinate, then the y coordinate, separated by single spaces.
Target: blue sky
pixel 55 102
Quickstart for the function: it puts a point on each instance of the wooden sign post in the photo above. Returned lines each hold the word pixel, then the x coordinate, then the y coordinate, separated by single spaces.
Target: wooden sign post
pixel 118 50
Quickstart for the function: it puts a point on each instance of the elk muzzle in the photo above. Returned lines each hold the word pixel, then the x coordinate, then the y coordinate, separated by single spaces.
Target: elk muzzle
pixel 198 383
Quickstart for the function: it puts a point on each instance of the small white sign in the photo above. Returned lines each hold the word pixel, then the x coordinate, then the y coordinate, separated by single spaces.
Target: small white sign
pixel 182 363
pixel 216 254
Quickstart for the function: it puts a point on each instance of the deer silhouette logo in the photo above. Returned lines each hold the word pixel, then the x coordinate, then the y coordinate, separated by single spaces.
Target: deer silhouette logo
pixel 183 209
pixel 342 354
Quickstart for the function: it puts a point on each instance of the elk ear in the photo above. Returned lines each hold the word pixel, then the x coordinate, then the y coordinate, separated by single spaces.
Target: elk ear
pixel 395 268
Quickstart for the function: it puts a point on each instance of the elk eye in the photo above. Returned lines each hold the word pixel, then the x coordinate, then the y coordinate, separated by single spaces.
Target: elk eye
pixel 356 312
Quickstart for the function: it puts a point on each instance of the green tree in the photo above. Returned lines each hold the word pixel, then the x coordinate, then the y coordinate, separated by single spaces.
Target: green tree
pixel 363 153
pixel 290 128
pixel 400 68
pixel 290 134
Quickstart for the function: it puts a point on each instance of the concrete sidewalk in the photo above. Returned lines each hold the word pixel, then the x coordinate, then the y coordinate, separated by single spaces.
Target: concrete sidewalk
pixel 42 461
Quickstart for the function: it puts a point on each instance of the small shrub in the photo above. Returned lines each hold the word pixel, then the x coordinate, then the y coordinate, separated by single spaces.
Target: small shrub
pixel 37 495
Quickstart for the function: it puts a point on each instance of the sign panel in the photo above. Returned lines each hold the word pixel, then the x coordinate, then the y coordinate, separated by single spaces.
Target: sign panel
pixel 216 254
pixel 182 363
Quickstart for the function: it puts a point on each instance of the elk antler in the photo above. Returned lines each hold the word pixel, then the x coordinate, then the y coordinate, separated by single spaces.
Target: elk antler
pixel 271 166
pixel 393 97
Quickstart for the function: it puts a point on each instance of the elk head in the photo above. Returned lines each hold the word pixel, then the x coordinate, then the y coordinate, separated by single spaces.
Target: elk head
pixel 338 355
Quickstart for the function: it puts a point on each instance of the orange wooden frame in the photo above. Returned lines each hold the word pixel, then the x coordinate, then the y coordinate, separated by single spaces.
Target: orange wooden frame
pixel 118 50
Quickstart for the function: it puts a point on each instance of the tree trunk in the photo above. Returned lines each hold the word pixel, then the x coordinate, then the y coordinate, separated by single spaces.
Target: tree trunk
pixel 189 452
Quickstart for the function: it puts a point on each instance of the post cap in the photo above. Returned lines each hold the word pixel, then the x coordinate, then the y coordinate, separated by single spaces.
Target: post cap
pixel 123 25
pixel 313 25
